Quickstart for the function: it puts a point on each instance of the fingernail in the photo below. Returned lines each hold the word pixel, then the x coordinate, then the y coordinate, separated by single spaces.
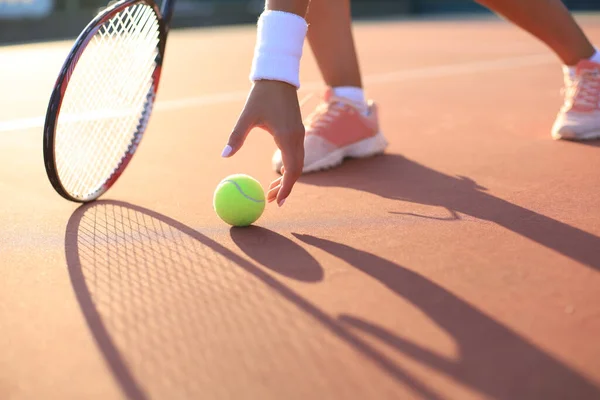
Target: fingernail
pixel 281 202
pixel 226 151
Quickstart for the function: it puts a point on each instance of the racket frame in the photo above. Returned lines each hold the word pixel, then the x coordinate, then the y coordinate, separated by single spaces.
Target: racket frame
pixel 164 16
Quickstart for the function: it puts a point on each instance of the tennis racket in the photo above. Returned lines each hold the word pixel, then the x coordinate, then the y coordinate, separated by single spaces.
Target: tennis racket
pixel 103 98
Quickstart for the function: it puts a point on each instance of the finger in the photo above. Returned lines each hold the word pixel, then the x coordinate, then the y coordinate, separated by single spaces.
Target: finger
pixel 291 144
pixel 237 137
pixel 276 182
pixel 289 179
pixel 272 195
pixel 293 160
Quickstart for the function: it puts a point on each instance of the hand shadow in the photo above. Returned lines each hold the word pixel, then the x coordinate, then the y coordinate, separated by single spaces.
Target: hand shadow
pixel 177 315
pixel 493 359
pixel 396 177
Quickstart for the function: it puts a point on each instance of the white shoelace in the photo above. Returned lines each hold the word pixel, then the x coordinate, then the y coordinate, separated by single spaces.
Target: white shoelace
pixel 585 89
pixel 326 112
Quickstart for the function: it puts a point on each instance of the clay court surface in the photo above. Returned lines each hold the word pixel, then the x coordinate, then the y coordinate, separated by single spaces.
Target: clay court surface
pixel 462 264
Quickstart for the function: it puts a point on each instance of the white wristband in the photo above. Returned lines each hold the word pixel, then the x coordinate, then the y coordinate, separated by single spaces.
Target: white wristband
pixel 279 43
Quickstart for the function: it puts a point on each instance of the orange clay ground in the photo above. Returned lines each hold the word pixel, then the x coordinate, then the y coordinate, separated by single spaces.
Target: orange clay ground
pixel 463 264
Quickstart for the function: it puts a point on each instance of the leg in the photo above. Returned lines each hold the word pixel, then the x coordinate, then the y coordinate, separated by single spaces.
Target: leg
pixel 330 27
pixel 552 23
pixel 549 21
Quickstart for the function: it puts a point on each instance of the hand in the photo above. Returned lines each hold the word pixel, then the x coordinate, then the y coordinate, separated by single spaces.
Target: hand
pixel 273 106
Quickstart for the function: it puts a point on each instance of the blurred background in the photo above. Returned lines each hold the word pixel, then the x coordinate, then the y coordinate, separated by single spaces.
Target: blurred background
pixel 35 20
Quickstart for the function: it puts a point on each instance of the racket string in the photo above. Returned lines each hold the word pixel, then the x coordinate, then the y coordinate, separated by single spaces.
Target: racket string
pixel 113 27
pixel 107 100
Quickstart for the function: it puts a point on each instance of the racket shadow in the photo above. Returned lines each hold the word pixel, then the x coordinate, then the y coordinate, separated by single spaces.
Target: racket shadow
pixel 177 315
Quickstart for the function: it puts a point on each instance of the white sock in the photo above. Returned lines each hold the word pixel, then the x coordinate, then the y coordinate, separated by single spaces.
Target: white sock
pixel 596 57
pixel 573 70
pixel 355 94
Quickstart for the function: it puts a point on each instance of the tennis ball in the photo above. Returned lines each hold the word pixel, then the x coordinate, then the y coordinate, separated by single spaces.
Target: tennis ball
pixel 239 200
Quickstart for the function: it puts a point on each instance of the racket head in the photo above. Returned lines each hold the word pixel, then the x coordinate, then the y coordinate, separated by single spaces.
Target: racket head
pixel 103 98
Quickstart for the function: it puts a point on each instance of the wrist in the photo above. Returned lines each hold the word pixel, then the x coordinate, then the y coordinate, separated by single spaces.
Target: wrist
pixel 279 45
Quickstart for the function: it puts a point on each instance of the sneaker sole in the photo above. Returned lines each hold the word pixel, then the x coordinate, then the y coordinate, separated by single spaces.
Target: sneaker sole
pixel 363 149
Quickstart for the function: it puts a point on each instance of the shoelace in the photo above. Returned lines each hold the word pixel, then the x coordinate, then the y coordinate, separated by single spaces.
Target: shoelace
pixel 325 112
pixel 585 89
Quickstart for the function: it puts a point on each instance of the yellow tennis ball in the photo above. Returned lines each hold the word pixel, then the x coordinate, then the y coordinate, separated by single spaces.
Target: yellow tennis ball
pixel 239 200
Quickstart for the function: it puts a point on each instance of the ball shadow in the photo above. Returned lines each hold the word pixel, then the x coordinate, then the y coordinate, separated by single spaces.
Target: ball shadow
pixel 277 253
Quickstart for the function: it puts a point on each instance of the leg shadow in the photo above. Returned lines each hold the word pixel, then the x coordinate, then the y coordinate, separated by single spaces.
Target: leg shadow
pixel 396 177
pixel 492 359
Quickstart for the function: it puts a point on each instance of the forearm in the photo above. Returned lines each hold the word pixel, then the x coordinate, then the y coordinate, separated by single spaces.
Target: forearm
pixel 298 7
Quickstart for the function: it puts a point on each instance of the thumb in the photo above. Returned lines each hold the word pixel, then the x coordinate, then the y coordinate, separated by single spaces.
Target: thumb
pixel 237 137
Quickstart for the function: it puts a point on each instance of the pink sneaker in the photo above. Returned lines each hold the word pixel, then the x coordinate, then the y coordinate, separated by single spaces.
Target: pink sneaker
pixel 337 130
pixel 579 117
